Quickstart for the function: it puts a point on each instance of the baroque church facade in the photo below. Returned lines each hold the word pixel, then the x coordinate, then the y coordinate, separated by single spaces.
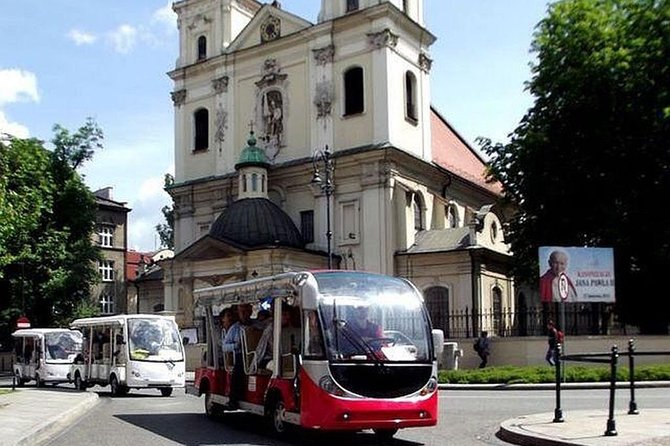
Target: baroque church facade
pixel 262 95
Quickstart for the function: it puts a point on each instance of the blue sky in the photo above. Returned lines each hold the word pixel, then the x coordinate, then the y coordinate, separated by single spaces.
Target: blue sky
pixel 62 61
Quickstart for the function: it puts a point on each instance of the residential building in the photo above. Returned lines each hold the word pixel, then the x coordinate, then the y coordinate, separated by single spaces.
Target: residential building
pixel 111 235
pixel 265 102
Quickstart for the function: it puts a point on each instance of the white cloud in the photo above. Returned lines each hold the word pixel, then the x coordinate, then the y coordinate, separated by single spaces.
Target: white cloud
pixel 123 39
pixel 17 85
pixel 166 17
pixel 12 128
pixel 81 37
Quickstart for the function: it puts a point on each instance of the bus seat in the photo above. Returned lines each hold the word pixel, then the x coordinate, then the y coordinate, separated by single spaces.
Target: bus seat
pixel 250 338
pixel 288 365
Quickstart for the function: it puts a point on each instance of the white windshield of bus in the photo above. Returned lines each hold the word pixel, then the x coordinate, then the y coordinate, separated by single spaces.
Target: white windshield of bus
pixel 62 347
pixel 372 317
pixel 154 340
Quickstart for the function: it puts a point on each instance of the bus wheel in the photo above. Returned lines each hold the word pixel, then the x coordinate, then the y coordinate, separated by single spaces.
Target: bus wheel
pixel 212 409
pixel 166 391
pixel 116 388
pixel 385 434
pixel 278 418
pixel 78 382
pixel 19 381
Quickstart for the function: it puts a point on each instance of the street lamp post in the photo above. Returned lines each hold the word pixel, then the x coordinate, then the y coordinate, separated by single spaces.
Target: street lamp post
pixel 323 160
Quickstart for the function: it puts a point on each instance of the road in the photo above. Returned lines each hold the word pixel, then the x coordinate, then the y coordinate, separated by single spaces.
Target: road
pixel 467 418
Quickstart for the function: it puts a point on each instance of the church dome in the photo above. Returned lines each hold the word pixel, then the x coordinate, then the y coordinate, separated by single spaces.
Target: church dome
pixel 255 222
pixel 252 155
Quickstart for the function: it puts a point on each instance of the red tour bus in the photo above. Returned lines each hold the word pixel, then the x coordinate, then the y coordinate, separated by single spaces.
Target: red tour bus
pixel 362 354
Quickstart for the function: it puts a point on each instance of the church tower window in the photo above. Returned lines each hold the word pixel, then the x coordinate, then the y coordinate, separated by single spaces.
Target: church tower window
pixel 410 97
pixel 201 125
pixel 202 48
pixel 352 5
pixel 418 213
pixel 353 91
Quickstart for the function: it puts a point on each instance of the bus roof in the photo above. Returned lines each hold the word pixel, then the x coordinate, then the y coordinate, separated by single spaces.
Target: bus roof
pixel 251 291
pixel 118 319
pixel 38 331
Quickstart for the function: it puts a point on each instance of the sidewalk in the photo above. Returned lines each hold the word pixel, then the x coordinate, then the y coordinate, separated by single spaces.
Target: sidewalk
pixel 30 415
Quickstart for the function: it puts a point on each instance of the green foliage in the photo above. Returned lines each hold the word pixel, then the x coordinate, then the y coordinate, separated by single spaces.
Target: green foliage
pixel 166 230
pixel 589 163
pixel 47 216
pixel 546 374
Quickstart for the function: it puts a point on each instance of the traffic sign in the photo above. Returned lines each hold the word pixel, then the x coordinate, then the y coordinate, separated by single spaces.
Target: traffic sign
pixel 23 322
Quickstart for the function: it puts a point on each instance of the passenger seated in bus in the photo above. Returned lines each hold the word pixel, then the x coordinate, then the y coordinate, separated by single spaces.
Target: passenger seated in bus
pixel 289 342
pixel 233 343
pixel 227 317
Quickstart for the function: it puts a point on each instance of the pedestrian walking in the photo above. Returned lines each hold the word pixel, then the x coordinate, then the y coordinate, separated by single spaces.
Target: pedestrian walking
pixel 483 348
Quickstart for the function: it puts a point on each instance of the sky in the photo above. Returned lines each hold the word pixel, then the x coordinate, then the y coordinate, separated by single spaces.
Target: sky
pixel 62 61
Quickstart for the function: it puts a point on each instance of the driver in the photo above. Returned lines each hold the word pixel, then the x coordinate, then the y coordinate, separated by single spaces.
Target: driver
pixel 362 325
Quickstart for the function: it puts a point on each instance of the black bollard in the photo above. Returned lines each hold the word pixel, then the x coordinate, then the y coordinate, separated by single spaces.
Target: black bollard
pixel 611 424
pixel 632 405
pixel 558 412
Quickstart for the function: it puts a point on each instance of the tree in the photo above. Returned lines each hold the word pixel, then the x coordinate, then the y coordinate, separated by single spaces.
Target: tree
pixel 166 230
pixel 47 215
pixel 589 164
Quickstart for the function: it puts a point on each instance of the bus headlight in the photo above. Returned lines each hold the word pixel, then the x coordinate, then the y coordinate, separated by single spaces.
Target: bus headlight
pixel 430 387
pixel 327 384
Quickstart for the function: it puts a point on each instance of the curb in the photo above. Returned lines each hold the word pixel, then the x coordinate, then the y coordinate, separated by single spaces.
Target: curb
pixel 625 385
pixel 56 423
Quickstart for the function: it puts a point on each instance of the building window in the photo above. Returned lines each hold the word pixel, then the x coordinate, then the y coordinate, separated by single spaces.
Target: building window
pixel 202 48
pixel 452 217
pixel 437 304
pixel 418 213
pixel 353 91
pixel 201 124
pixel 410 98
pixel 106 304
pixel 496 297
pixel 352 5
pixel 106 236
pixel 106 269
pixel 307 226
pixel 254 182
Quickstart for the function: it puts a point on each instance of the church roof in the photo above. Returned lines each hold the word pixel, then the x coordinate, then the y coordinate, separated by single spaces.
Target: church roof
pixel 254 222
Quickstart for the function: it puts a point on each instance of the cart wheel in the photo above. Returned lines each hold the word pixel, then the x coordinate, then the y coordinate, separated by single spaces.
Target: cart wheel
pixel 278 418
pixel 38 380
pixel 385 434
pixel 116 388
pixel 19 381
pixel 166 391
pixel 212 409
pixel 78 382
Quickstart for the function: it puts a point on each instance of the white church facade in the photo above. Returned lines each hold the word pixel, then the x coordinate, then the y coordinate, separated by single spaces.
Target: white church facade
pixel 259 93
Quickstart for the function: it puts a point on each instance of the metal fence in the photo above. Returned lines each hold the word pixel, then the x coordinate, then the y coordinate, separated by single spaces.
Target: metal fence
pixel 572 318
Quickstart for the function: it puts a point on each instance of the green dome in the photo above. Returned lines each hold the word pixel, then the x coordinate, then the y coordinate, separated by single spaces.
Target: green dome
pixel 252 155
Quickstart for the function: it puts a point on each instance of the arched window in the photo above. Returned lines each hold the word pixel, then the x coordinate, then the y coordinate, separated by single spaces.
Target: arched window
pixel 254 182
pixel 410 97
pixel 452 217
pixel 201 134
pixel 352 5
pixel 244 182
pixel 353 91
pixel 437 303
pixel 417 207
pixel 202 48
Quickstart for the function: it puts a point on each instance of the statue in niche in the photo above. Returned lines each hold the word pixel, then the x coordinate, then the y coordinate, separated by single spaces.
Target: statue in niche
pixel 273 121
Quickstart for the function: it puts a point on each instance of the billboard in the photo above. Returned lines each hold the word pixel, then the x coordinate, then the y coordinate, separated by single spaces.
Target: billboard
pixel 569 274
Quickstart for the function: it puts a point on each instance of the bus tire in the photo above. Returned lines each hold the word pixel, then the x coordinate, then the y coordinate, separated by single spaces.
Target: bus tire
pixel 19 381
pixel 385 434
pixel 212 409
pixel 277 415
pixel 166 391
pixel 78 382
pixel 115 387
